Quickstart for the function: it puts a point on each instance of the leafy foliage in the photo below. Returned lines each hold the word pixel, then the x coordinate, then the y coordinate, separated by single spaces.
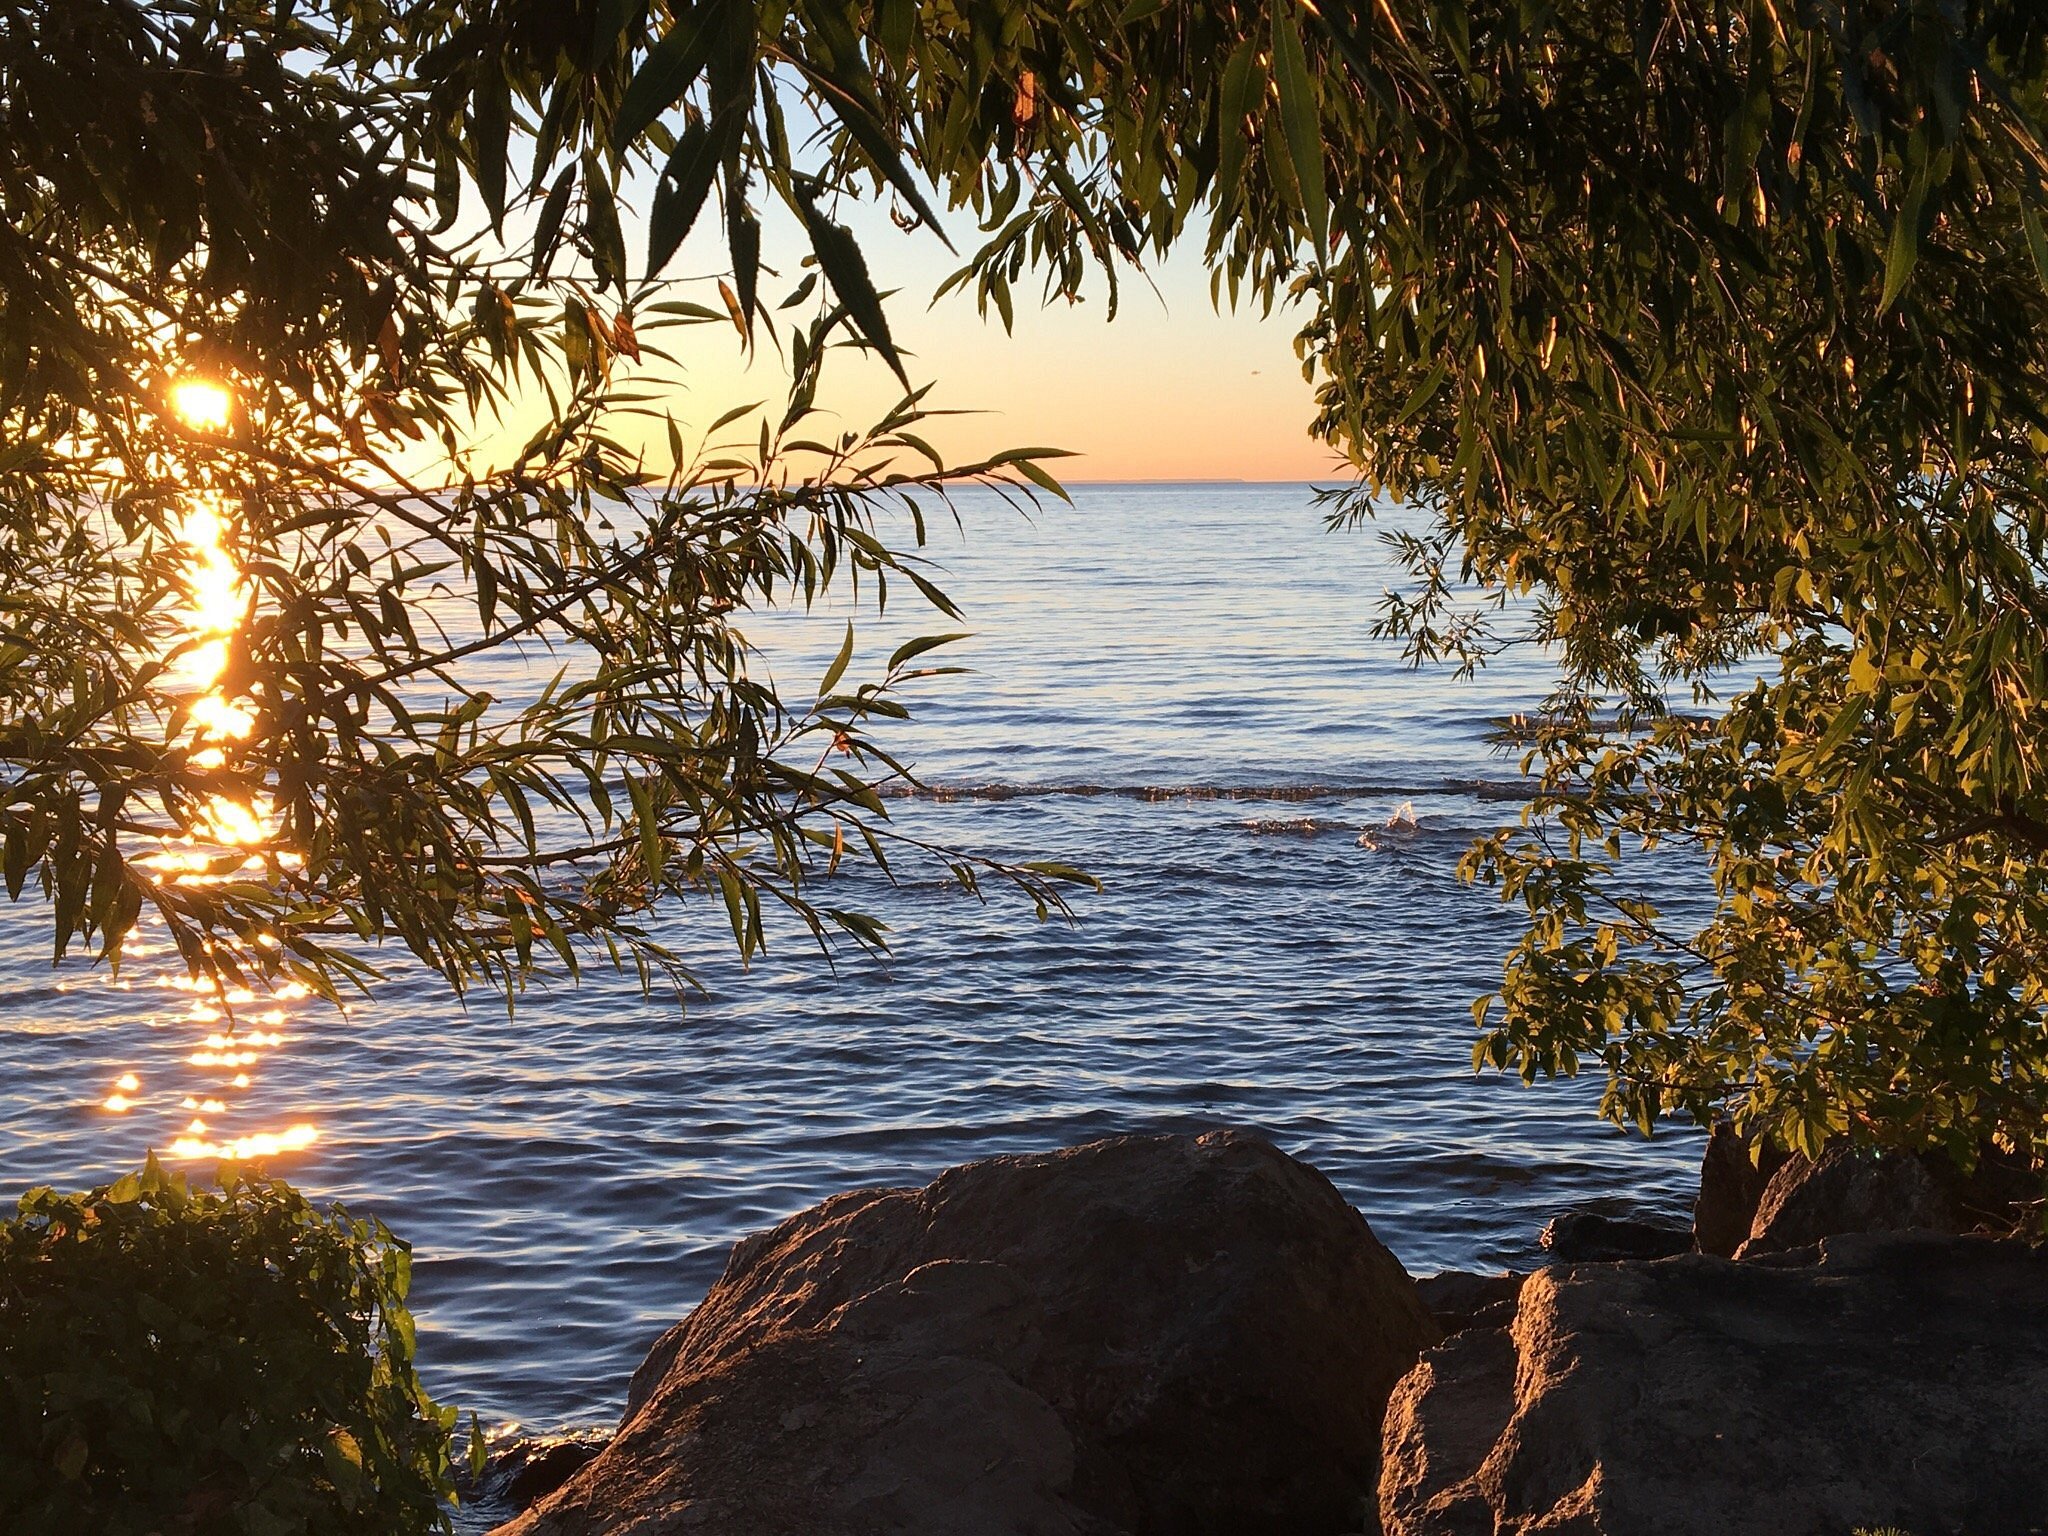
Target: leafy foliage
pixel 210 1360
pixel 1713 332
pixel 277 200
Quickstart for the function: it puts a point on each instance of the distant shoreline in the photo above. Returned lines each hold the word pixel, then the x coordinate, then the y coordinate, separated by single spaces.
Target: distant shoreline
pixel 1072 481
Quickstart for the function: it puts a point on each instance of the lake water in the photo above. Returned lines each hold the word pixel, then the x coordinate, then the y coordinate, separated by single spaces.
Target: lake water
pixel 1175 688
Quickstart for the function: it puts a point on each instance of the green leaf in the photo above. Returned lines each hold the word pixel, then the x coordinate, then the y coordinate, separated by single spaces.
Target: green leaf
pixel 490 132
pixel 547 227
pixel 601 226
pixel 2037 241
pixel 910 650
pixel 1301 121
pixel 1041 477
pixel 896 29
pixel 847 271
pixel 743 242
pixel 648 821
pixel 1233 107
pixel 1900 257
pixel 666 74
pixel 1903 251
pixel 838 668
pixel 679 195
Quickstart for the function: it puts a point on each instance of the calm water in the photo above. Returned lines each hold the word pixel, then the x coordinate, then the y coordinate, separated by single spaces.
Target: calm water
pixel 1174 687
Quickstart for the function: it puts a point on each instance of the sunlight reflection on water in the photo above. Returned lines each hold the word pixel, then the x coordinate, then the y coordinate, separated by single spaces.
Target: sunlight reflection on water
pixel 238 832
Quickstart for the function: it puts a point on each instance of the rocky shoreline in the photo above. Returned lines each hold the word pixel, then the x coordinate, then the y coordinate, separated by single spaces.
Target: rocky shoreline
pixel 1150 1336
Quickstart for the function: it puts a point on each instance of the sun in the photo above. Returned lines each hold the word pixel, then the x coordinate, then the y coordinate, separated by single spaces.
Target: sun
pixel 201 403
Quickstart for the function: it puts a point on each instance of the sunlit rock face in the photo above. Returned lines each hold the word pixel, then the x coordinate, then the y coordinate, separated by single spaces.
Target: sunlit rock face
pixel 1144 1335
pixel 1878 1380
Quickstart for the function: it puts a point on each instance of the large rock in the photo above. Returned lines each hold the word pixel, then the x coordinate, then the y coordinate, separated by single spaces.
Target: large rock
pixel 1880 1380
pixel 1734 1172
pixel 1855 1189
pixel 1146 1335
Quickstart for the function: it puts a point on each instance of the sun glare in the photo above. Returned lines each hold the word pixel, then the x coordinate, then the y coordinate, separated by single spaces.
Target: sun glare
pixel 201 403
pixel 242 1148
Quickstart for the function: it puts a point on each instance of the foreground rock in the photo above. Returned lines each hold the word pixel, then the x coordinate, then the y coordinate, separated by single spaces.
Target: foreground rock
pixel 1882 1379
pixel 1146 1335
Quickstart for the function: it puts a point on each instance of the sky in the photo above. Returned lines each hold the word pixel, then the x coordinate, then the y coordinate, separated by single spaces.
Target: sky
pixel 1169 390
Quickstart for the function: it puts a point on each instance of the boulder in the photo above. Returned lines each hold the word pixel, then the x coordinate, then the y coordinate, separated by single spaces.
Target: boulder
pixel 1734 1172
pixel 1856 1189
pixel 1144 1335
pixel 1584 1237
pixel 1881 1379
pixel 1442 1421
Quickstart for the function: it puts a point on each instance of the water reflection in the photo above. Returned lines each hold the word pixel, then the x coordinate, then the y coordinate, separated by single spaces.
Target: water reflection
pixel 234 838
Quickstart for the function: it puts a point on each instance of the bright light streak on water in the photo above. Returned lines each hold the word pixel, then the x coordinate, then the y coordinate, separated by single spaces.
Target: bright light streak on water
pixel 1174 688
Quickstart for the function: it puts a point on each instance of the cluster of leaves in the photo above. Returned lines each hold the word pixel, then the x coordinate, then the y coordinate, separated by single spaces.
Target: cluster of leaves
pixel 228 1359
pixel 306 204
pixel 1720 331
pixel 1716 330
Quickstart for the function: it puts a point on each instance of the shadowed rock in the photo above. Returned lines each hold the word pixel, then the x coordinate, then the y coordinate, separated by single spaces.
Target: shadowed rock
pixel 1855 1189
pixel 1733 1176
pixel 1145 1335
pixel 1583 1237
pixel 519 1473
pixel 1883 1379
pixel 1459 1299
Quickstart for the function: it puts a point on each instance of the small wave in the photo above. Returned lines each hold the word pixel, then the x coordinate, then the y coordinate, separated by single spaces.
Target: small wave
pixel 1289 826
pixel 1477 789
pixel 1403 824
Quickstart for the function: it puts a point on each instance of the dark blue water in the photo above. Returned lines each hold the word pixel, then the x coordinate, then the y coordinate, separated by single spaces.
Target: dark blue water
pixel 1197 660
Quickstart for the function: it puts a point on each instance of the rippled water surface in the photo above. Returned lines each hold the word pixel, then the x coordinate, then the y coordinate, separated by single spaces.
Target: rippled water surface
pixel 1174 687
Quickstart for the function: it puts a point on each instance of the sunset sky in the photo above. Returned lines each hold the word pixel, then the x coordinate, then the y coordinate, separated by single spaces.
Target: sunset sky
pixel 1170 390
